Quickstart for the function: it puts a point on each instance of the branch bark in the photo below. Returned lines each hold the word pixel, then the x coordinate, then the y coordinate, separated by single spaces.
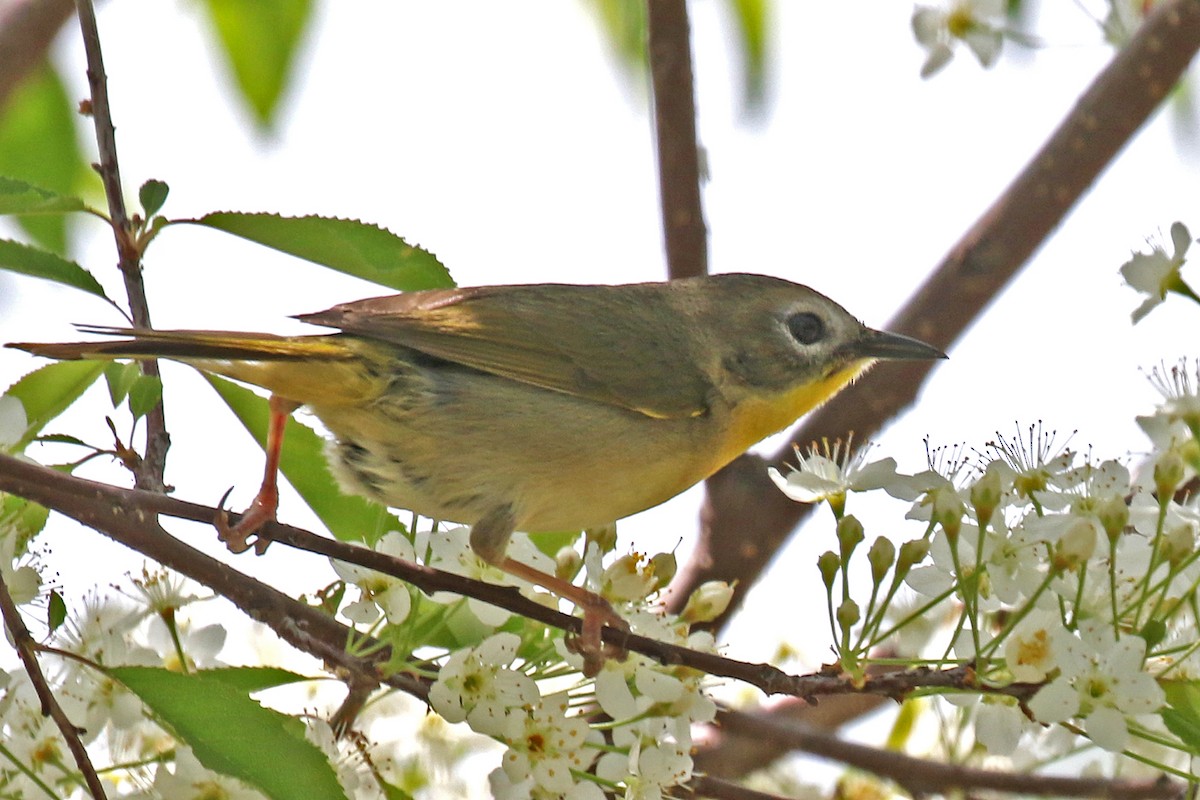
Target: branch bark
pixel 149 470
pixel 670 55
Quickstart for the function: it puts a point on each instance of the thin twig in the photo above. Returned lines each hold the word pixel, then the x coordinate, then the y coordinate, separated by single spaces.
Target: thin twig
pixel 26 648
pixel 746 519
pixel 148 472
pixel 669 50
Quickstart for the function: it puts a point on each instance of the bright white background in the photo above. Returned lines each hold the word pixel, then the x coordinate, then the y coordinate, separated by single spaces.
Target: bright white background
pixel 504 138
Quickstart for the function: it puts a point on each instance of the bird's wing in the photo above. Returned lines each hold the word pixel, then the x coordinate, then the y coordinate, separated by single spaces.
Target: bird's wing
pixel 620 345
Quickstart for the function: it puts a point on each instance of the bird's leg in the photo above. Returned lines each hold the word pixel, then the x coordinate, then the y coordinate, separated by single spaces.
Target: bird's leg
pixel 262 509
pixel 489 540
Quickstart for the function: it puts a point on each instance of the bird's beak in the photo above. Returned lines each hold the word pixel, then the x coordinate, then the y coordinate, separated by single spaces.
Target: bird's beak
pixel 884 345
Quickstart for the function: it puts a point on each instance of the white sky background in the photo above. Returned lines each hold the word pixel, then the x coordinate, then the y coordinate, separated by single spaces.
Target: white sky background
pixel 503 138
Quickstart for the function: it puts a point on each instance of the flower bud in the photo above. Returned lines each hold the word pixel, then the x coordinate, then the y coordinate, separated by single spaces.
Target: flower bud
pixel 850 534
pixel 829 564
pixel 663 566
pixel 1168 474
pixel 881 555
pixel 707 602
pixel 605 537
pixel 567 563
pixel 1113 513
pixel 848 614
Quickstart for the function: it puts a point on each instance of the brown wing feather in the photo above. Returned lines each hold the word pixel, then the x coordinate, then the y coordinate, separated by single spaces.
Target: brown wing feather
pixel 621 345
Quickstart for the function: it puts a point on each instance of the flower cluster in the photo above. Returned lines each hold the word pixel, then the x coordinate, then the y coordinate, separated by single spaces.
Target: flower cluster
pixel 627 730
pixel 1054 571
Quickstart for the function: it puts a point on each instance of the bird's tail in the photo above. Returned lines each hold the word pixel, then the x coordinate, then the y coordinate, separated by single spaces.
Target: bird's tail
pixel 307 369
pixel 190 345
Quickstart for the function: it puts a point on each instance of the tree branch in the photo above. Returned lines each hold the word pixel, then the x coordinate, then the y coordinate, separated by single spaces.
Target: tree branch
pixel 26 648
pixel 149 470
pixel 921 777
pixel 127 516
pixel 670 54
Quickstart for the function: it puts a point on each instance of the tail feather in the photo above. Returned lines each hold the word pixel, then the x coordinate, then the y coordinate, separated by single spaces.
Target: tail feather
pixel 189 345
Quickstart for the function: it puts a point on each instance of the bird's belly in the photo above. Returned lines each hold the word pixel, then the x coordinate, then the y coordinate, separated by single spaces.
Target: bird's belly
pixel 460 446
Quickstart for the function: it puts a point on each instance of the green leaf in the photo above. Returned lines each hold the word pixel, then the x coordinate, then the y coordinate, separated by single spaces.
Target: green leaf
pixel 56 613
pixel 39 144
pixel 48 391
pixel 254 679
pixel 144 395
pixel 750 18
pixel 28 260
pixel 25 517
pixel 550 542
pixel 152 195
pixel 260 39
pixel 120 377
pixel 1182 718
pixel 232 734
pixel 18 197
pixel 623 23
pixel 303 463
pixel 349 246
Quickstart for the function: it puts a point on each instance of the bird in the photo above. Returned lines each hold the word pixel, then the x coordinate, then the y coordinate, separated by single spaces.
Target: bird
pixel 535 407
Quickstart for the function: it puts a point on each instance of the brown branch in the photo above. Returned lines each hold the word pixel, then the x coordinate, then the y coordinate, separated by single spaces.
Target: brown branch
pixel 149 470
pixel 123 516
pixel 27 27
pixel 26 648
pixel 724 753
pixel 127 516
pixel 920 777
pixel 669 51
pixel 745 519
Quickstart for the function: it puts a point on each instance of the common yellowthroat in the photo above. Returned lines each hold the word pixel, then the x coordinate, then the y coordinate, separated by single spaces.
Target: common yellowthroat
pixel 537 407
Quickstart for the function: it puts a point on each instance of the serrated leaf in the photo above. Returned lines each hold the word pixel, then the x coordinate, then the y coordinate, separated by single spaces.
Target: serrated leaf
pixel 355 248
pixel 119 377
pixel 254 679
pixel 56 612
pixel 63 438
pixel 18 197
pixel 39 144
pixel 260 39
pixel 144 395
pixel 1182 718
pixel 29 260
pixel 152 195
pixel 47 392
pixel 303 463
pixel 232 734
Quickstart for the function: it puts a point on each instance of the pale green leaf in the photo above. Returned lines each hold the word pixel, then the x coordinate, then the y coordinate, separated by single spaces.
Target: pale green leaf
pixel 18 197
pixel 355 248
pixel 1182 716
pixel 39 144
pixel 47 392
pixel 260 39
pixel 28 260
pixel 232 734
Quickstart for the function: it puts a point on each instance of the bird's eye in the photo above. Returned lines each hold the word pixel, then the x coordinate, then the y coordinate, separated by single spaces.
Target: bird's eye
pixel 806 327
